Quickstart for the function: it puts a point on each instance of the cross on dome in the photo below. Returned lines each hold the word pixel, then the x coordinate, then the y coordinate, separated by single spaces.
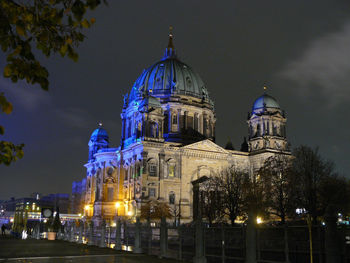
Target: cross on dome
pixel 170 50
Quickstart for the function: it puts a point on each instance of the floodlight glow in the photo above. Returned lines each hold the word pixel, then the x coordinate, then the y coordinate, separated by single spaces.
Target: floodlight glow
pixel 259 220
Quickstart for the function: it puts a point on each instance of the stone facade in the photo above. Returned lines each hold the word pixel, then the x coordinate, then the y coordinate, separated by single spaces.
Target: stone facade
pixel 168 141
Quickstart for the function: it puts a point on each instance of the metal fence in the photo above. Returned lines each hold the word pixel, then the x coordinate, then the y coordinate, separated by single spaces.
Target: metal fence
pixel 272 244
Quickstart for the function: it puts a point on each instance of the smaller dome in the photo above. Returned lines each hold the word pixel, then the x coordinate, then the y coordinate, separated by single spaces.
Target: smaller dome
pixel 99 134
pixel 265 101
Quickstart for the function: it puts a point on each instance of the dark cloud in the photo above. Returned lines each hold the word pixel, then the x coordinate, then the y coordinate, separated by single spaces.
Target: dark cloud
pixel 323 67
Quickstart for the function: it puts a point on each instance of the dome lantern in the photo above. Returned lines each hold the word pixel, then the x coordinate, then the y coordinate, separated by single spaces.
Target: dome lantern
pixel 170 50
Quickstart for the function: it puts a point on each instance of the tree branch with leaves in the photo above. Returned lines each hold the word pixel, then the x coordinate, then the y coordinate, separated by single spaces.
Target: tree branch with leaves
pixel 51 26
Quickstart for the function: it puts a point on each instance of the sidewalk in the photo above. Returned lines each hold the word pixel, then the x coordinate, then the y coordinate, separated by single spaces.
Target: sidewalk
pixel 17 250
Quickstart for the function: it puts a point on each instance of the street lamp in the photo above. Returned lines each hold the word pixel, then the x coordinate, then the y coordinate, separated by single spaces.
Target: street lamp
pixel 86 210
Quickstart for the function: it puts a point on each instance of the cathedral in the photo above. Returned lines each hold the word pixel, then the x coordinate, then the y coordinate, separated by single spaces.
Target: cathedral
pixel 168 141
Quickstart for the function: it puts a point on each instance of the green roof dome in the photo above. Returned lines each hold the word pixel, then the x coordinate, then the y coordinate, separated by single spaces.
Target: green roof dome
pixel 169 77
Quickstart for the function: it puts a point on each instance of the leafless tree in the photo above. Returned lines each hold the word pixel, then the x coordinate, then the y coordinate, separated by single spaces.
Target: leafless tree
pixel 154 209
pixel 310 170
pixel 279 186
pixel 232 183
pixel 211 201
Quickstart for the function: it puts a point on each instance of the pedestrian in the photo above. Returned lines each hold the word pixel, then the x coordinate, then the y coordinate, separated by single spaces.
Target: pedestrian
pixel 3 227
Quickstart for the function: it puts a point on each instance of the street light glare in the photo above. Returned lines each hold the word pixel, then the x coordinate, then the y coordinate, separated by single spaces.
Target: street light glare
pixel 117 204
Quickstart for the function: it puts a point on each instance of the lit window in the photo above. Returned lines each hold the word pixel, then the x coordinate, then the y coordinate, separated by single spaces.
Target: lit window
pixel 171 170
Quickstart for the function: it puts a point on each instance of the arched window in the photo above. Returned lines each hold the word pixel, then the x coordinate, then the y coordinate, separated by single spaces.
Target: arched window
pixel 171 168
pixel 129 129
pixel 154 130
pixel 258 130
pixel 152 168
pixel 274 130
pixel 172 198
pixel 174 119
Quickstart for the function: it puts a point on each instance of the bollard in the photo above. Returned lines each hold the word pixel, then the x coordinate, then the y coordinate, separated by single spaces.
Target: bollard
pixel 137 245
pixel 103 234
pixel 163 238
pixel 118 231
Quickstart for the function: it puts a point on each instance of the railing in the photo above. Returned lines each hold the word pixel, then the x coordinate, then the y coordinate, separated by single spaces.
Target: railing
pixel 273 244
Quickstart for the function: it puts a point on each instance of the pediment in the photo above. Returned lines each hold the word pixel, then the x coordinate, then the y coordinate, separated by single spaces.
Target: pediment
pixel 205 145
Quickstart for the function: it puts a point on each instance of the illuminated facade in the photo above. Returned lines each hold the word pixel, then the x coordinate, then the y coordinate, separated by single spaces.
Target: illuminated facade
pixel 167 141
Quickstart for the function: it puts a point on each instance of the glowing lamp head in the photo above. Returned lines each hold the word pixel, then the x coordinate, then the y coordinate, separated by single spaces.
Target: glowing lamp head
pixel 129 213
pixel 86 207
pixel 259 220
pixel 117 205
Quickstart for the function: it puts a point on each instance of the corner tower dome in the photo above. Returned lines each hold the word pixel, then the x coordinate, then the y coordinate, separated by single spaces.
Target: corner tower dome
pixel 98 140
pixel 265 102
pixel 267 125
pixel 169 77
pixel 99 135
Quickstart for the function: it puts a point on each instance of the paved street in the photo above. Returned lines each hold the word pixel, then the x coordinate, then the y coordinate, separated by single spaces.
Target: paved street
pixel 43 251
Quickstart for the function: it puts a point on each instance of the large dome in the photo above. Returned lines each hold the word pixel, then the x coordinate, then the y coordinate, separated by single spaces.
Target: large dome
pixel 169 77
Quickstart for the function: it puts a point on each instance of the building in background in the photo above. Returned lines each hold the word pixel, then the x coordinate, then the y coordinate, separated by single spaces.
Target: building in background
pixel 168 141
pixel 33 205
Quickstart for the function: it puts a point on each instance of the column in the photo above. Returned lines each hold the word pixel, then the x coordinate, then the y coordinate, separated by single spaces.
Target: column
pixel 185 120
pixel 205 124
pixel 170 121
pixel 178 120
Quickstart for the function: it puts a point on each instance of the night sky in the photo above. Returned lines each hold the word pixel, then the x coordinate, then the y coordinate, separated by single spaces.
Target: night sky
pixel 299 49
